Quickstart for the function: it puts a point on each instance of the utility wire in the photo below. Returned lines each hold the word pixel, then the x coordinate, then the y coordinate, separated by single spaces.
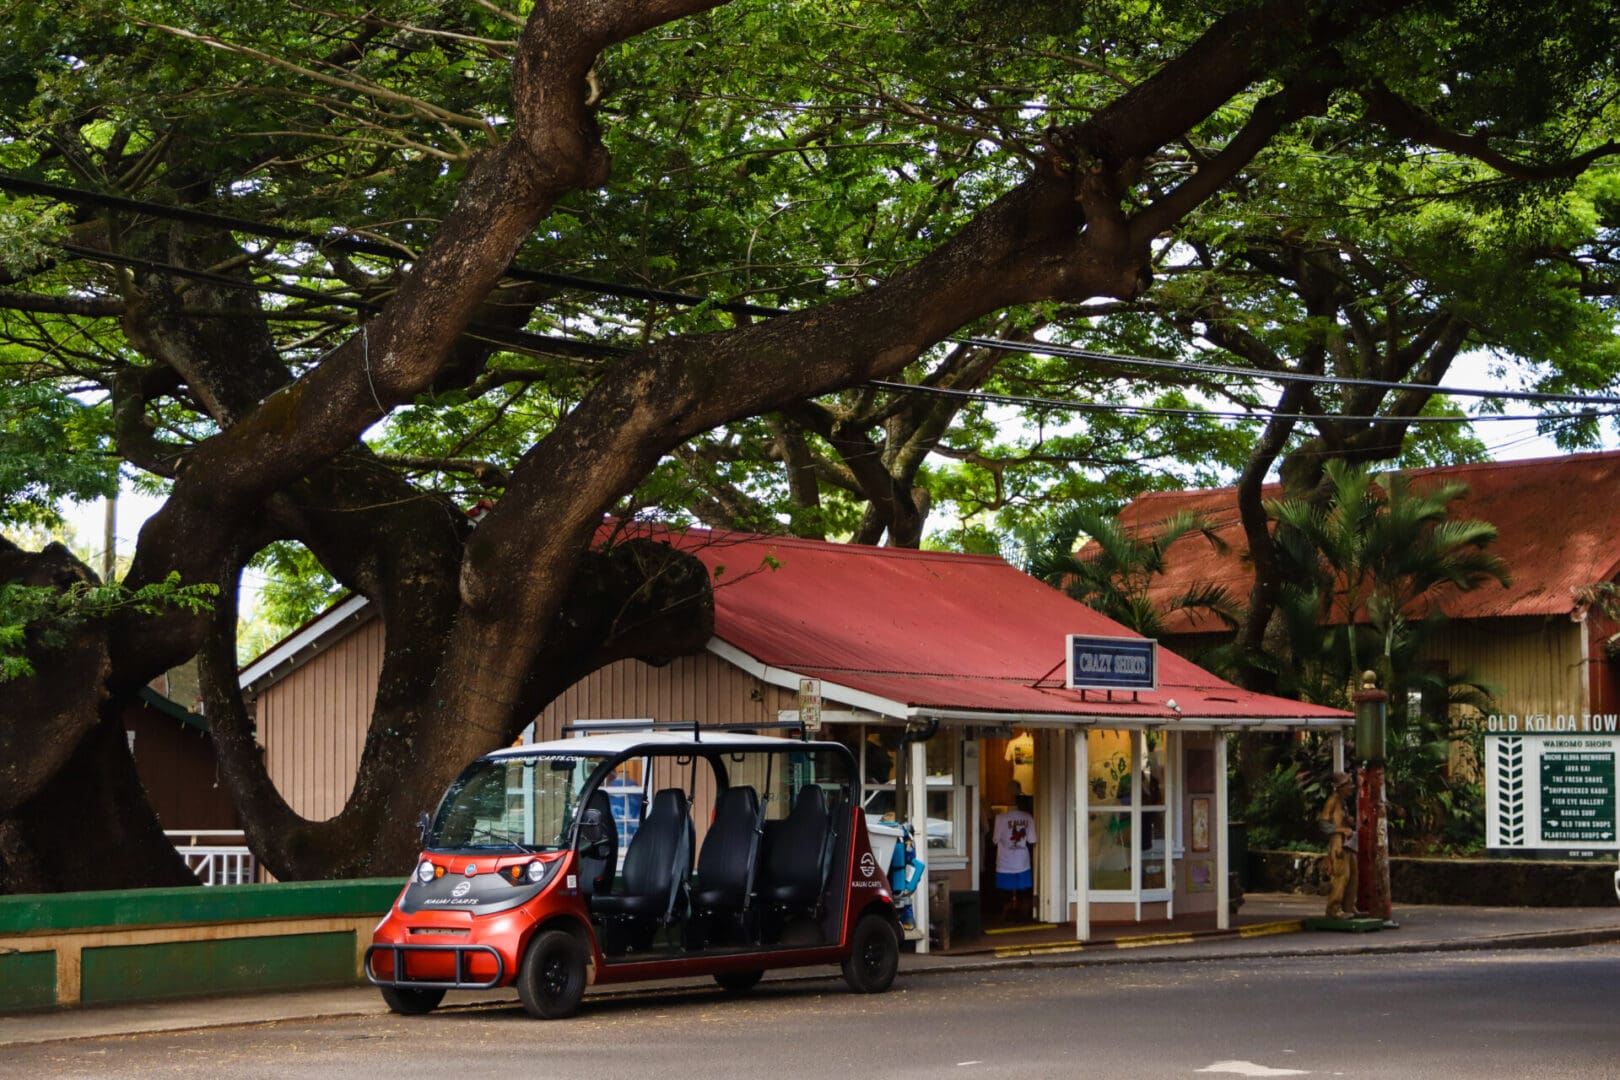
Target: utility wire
pixel 350 242
pixel 1073 352
pixel 540 345
pixel 1257 414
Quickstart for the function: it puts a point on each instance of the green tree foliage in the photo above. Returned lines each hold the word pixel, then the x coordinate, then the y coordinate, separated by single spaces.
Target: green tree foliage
pixel 318 273
pixel 38 617
pixel 1379 551
pixel 1113 571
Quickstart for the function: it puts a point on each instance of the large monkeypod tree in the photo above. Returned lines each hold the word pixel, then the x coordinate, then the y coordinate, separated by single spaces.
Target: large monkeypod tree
pixel 299 261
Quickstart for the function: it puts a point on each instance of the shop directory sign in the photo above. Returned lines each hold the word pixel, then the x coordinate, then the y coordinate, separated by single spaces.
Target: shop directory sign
pixel 1550 784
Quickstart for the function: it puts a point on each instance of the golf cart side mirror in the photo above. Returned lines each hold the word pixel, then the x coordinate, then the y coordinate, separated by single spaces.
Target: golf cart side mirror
pixel 423 823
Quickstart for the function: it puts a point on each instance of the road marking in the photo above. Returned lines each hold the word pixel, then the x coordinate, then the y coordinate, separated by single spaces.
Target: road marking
pixel 1142 941
pixel 959 1064
pixel 1289 926
pixel 1005 951
pixel 1249 1068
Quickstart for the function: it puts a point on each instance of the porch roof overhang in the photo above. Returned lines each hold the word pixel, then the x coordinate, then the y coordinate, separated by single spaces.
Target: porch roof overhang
pixel 1184 708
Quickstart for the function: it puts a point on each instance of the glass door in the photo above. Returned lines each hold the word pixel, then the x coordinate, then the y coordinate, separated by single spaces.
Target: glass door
pixel 1127 838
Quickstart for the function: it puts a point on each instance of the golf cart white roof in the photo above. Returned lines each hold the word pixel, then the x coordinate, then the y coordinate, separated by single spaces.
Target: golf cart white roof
pixel 611 743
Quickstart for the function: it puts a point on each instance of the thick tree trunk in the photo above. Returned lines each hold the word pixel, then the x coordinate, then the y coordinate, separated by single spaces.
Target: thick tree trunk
pixel 90 826
pixel 43 716
pixel 639 599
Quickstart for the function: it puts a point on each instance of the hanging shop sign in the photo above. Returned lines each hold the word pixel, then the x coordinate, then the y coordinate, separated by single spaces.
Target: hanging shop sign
pixel 1112 663
pixel 1550 788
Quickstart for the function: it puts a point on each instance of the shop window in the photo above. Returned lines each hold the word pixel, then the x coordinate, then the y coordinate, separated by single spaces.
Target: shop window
pixel 875 748
pixel 1127 836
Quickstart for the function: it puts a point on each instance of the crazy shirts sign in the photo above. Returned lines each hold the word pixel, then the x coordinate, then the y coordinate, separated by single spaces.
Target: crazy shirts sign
pixel 1550 783
pixel 1112 663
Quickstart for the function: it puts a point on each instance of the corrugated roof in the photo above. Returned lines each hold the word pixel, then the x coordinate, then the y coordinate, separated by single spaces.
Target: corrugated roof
pixel 1556 532
pixel 936 630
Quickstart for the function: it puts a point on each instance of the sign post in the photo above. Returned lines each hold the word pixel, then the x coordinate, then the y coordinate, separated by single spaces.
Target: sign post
pixel 1372 824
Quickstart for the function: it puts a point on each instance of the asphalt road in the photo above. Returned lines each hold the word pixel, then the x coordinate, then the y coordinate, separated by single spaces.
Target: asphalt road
pixel 1526 1013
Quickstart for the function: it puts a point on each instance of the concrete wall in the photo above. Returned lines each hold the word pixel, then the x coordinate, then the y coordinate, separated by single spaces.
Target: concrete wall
pixel 98 948
pixel 1469 882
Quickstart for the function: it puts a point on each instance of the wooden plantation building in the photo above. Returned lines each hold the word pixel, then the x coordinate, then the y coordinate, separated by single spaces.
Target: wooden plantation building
pixel 1541 642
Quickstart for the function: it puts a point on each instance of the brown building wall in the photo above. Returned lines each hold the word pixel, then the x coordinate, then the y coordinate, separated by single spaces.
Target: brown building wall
pixel 703 688
pixel 312 723
pixel 176 764
pixel 1535 664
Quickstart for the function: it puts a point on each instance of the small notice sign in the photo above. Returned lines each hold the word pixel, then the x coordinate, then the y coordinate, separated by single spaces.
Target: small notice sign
pixel 1112 663
pixel 810 704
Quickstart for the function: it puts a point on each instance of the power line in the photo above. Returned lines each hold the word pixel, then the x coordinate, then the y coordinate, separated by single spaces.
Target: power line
pixel 520 341
pixel 359 245
pixel 1290 376
pixel 350 242
pixel 1255 415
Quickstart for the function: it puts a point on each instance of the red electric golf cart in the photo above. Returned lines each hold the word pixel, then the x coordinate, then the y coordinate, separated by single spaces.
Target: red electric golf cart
pixel 639 854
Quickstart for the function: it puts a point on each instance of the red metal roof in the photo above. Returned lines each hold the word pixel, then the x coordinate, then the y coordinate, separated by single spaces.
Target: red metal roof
pixel 937 630
pixel 1556 532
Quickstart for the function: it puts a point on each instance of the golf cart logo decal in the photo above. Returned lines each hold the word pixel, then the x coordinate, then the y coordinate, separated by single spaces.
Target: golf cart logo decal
pixel 462 889
pixel 868 865
pixel 472 868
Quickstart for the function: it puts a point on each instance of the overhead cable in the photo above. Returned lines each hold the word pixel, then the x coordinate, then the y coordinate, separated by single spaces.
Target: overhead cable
pixel 1256 414
pixel 360 245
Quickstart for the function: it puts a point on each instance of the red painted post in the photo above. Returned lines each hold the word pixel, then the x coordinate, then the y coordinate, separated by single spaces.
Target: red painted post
pixel 1372 825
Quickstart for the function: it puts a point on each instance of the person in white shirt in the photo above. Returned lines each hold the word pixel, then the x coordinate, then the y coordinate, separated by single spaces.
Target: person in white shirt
pixel 1014 837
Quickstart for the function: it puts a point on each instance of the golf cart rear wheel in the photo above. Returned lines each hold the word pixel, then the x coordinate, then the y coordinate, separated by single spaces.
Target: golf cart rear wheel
pixel 409 1002
pixel 552 978
pixel 874 955
pixel 738 982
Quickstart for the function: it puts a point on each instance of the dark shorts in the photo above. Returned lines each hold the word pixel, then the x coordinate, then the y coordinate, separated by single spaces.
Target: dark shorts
pixel 1014 882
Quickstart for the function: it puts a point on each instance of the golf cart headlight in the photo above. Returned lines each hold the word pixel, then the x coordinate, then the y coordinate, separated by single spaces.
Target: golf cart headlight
pixel 536 872
pixel 424 873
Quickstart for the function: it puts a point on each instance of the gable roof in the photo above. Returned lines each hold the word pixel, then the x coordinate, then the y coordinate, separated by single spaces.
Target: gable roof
pixel 897 632
pixel 1555 524
pixel 936 633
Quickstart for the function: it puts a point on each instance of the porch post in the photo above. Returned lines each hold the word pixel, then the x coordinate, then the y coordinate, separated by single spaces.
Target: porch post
pixel 1223 898
pixel 1338 749
pixel 1051 803
pixel 1082 834
pixel 917 813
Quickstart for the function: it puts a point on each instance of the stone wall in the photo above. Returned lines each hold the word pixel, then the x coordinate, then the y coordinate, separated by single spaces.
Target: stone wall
pixel 1475 882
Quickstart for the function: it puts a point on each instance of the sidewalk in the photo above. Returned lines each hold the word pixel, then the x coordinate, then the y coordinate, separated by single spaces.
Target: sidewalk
pixel 1267 925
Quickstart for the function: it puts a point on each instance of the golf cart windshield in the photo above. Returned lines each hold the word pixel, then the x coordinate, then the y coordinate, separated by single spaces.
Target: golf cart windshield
pixel 512 804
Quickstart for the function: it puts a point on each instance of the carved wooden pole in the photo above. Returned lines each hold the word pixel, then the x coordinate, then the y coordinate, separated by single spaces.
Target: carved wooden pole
pixel 1372 827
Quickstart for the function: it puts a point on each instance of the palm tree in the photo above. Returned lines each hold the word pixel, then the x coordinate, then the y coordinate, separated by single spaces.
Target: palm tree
pixel 1113 577
pixel 1382 549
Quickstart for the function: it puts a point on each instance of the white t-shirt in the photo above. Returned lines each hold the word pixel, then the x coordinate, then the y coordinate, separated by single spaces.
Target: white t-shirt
pixel 1014 833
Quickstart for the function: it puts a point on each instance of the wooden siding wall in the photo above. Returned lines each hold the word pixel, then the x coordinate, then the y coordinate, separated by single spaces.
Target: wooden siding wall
pixel 1534 663
pixel 177 767
pixel 702 688
pixel 312 724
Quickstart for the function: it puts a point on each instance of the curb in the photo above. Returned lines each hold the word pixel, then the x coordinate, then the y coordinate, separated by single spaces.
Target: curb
pixel 1143 941
pixel 1122 951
